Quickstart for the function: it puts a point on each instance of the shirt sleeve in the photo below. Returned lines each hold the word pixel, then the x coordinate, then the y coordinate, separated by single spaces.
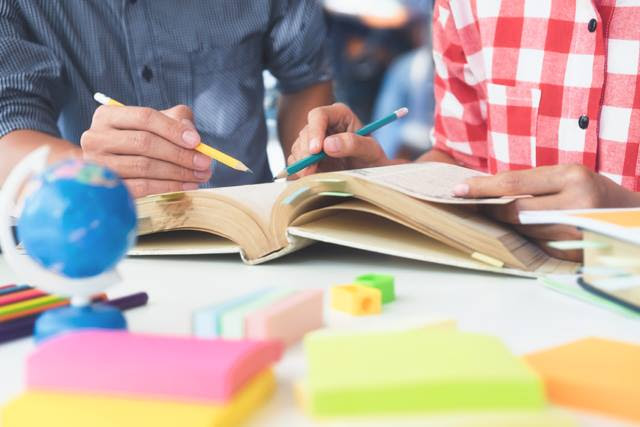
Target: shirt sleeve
pixel 460 113
pixel 296 48
pixel 29 74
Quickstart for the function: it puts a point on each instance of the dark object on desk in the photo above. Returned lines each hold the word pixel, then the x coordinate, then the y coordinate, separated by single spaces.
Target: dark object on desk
pixel 23 327
pixel 627 297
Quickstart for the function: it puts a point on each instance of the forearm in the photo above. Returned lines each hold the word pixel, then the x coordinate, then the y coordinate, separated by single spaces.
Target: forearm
pixel 16 145
pixel 294 109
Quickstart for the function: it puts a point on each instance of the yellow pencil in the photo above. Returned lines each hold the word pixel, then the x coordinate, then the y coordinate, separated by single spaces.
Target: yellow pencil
pixel 202 148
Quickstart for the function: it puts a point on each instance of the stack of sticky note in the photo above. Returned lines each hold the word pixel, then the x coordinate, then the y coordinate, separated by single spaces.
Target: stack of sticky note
pixel 107 378
pixel 417 372
pixel 270 314
pixel 593 374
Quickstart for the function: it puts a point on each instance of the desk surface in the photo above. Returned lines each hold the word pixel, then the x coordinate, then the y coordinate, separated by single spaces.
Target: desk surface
pixel 521 312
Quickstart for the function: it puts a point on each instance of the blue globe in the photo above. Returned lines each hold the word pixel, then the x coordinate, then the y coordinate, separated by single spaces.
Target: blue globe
pixel 78 219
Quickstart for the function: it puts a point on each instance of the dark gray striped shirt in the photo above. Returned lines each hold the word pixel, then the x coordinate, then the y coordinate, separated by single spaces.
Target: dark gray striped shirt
pixel 208 54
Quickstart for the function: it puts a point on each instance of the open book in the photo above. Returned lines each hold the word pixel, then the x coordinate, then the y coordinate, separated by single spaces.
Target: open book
pixel 405 210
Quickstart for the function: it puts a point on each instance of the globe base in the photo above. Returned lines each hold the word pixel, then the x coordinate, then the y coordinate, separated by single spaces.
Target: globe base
pixel 64 319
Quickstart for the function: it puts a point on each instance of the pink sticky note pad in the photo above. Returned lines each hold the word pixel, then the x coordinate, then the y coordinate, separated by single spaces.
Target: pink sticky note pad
pixel 287 320
pixel 121 363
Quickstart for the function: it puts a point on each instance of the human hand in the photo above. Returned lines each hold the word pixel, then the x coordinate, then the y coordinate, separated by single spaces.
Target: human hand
pixel 552 187
pixel 332 129
pixel 153 151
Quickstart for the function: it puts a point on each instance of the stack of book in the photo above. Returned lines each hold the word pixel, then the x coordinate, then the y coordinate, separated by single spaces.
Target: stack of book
pixel 106 378
pixel 611 245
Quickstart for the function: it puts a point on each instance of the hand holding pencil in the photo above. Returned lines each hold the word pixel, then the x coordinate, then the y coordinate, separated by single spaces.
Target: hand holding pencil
pixel 153 151
pixel 334 139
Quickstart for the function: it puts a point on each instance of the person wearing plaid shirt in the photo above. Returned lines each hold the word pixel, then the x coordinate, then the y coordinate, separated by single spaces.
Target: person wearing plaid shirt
pixel 545 94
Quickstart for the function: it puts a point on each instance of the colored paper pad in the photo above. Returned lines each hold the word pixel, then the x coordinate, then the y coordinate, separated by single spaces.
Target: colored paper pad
pixel 593 374
pixel 109 362
pixel 233 321
pixel 207 322
pixel 37 408
pixel 415 371
pixel 287 320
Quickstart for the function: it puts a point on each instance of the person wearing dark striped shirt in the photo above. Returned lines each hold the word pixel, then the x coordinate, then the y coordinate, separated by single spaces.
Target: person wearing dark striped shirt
pixel 187 71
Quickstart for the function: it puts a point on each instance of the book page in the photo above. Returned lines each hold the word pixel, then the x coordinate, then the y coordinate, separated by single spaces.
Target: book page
pixel 258 198
pixel 430 181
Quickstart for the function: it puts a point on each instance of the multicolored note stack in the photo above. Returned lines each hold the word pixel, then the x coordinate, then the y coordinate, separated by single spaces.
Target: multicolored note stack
pixel 109 378
pixel 270 314
pixel 391 375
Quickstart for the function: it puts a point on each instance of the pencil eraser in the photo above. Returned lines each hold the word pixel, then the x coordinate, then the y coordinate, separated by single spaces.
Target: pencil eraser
pixel 121 363
pixel 287 320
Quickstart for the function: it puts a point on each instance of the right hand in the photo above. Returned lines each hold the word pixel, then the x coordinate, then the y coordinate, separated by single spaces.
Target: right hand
pixel 152 151
pixel 332 129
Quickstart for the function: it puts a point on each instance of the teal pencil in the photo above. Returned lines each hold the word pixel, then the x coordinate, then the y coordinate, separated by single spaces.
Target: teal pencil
pixel 366 130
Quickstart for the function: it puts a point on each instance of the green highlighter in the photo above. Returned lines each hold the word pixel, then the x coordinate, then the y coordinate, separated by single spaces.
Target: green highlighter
pixel 315 158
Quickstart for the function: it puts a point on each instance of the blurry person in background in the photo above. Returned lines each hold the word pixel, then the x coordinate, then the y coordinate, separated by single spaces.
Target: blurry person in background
pixel 365 38
pixel 409 83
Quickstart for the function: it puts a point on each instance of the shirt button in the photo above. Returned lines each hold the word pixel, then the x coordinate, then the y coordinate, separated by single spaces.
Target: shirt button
pixel 593 24
pixel 147 73
pixel 583 122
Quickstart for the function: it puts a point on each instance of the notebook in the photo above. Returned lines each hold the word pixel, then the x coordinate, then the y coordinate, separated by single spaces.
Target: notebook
pixel 404 210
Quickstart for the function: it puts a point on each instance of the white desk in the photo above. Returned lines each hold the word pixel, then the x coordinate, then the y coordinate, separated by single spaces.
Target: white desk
pixel 525 315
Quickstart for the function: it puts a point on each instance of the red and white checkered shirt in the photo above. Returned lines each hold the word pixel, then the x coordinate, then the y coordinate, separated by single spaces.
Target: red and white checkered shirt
pixel 525 83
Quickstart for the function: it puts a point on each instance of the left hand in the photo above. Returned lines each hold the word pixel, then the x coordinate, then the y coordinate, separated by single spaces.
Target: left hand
pixel 552 187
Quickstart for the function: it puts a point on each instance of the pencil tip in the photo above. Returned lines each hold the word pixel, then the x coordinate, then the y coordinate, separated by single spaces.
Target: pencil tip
pixel 282 174
pixel 250 171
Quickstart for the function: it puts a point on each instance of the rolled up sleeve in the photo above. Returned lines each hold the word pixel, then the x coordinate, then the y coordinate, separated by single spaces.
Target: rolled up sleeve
pixel 296 46
pixel 30 77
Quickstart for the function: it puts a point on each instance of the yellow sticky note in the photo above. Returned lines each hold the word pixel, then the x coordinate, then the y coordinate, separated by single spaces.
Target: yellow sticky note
pixel 40 408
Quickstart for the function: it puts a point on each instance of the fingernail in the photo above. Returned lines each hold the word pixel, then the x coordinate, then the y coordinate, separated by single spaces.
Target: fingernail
pixel 314 145
pixel 202 175
pixel 332 144
pixel 201 161
pixel 190 186
pixel 461 190
pixel 191 138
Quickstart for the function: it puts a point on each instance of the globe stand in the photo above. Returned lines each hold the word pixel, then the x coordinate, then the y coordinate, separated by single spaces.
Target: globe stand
pixel 59 320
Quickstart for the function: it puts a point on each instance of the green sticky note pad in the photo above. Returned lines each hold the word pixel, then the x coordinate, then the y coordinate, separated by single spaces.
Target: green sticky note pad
pixel 414 372
pixel 383 282
pixel 232 321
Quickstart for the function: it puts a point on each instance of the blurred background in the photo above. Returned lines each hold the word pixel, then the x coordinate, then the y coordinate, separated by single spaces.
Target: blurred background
pixel 382 61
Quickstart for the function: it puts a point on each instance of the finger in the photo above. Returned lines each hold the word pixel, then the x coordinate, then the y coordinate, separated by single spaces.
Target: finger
pixel 144 167
pixel 146 119
pixel 145 144
pixel 349 144
pixel 145 187
pixel 537 181
pixel 179 113
pixel 549 232
pixel 337 117
pixel 510 212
